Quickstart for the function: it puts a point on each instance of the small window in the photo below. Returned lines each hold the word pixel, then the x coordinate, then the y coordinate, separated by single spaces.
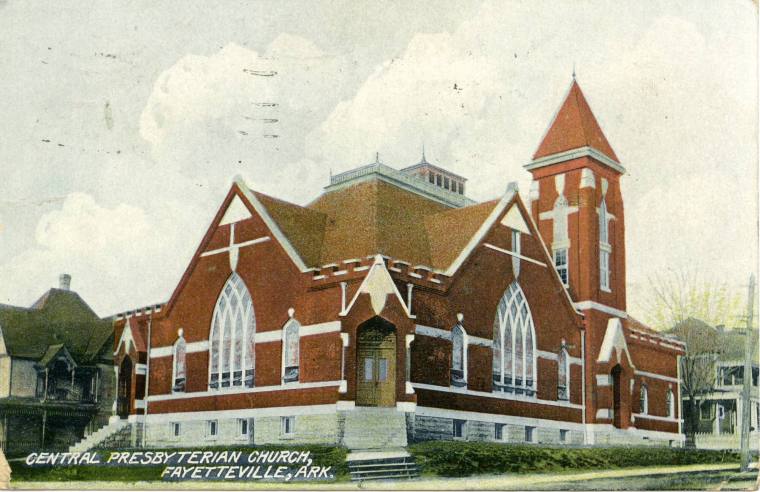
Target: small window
pixel 438 180
pixel 461 188
pixel 459 428
pixel 431 178
pixel 288 425
pixel 529 433
pixel 212 428
pixel 369 363
pixel 560 263
pixel 563 435
pixel 244 427
pixel 499 431
pixel 176 429
pixel 644 400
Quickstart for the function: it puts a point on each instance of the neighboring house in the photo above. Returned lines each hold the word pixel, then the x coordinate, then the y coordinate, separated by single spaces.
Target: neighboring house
pixel 394 309
pixel 720 411
pixel 56 372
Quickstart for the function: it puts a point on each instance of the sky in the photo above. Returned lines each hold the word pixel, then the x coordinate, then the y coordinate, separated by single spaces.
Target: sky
pixel 122 124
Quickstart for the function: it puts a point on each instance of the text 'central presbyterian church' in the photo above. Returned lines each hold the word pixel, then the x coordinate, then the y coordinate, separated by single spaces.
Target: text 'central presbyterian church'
pixel 394 309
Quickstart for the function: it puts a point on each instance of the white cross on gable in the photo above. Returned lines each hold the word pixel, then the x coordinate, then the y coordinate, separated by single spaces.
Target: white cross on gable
pixel 234 248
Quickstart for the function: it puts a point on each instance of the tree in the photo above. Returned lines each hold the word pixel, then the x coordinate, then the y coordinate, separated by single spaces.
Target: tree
pixel 688 306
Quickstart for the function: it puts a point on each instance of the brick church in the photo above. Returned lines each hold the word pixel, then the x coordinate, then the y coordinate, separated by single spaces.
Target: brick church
pixel 394 309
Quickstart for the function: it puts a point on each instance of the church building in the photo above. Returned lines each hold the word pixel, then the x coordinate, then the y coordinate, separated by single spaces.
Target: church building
pixel 394 309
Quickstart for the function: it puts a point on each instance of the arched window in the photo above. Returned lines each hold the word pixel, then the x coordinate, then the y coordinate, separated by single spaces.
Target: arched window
pixel 671 404
pixel 514 344
pixel 233 329
pixel 644 400
pixel 604 233
pixel 563 375
pixel 458 356
pixel 178 369
pixel 290 351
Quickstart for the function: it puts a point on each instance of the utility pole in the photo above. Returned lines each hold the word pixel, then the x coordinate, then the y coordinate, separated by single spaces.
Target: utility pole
pixel 747 378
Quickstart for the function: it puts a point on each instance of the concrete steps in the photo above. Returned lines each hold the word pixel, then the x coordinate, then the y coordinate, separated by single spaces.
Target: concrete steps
pixel 98 437
pixel 374 428
pixel 382 466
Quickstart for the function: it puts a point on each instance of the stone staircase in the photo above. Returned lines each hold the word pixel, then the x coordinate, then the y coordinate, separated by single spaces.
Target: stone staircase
pixel 376 437
pixel 367 428
pixel 379 465
pixel 114 427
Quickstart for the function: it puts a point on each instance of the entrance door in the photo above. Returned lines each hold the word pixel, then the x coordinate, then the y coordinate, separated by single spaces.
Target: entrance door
pixel 124 395
pixel 376 364
pixel 616 405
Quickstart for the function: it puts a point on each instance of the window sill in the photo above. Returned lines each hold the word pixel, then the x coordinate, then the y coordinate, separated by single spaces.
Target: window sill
pixel 606 289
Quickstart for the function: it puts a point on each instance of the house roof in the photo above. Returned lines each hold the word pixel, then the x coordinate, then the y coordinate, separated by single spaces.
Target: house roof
pixel 574 126
pixel 59 317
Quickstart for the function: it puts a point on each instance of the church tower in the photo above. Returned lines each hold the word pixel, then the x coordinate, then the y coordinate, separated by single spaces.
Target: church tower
pixel 576 202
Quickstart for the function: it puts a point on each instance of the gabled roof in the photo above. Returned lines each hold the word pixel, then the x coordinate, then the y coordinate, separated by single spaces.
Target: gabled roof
pixel 574 127
pixel 59 317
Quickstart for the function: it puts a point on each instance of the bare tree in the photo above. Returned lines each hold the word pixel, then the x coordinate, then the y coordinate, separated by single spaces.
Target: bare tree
pixel 688 306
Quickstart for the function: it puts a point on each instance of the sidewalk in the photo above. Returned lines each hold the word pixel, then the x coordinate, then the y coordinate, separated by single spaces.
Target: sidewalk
pixel 575 480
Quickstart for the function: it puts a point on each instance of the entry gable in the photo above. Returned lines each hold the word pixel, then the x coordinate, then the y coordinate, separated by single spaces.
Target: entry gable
pixel 614 340
pixel 378 284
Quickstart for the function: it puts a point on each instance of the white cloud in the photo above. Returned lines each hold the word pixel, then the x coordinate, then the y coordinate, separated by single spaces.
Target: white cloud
pixel 108 251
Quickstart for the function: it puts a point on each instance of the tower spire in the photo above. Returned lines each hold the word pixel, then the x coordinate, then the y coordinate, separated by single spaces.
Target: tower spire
pixel 424 160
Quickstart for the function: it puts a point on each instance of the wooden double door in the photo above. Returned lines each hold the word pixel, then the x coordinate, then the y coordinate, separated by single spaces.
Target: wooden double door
pixel 376 364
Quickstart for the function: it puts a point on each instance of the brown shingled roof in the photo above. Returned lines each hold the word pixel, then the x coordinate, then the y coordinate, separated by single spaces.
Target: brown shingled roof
pixel 574 126
pixel 376 217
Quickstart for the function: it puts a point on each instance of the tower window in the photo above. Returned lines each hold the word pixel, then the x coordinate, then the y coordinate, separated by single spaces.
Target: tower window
pixel 560 263
pixel 604 270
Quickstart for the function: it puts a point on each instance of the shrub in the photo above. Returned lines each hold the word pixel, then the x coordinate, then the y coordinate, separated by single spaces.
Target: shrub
pixel 457 459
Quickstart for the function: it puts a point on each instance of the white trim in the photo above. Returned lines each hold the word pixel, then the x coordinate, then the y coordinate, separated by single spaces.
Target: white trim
pixel 429 331
pixel 603 380
pixel 271 224
pixel 267 336
pixel 126 338
pixel 239 390
pixel 497 418
pixel 584 305
pixel 320 328
pixel 513 254
pixel 361 268
pixel 140 369
pixel 655 417
pixel 571 154
pixel 546 355
pixel 496 395
pixel 656 376
pixel 236 246
pixel 168 350
pixel 139 404
pixel 160 418
pixel 483 342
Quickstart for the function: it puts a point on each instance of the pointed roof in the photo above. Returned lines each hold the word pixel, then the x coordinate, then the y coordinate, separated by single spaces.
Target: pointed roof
pixel 574 127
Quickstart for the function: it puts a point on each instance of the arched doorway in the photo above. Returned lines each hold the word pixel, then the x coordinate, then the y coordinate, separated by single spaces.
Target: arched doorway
pixel 616 395
pixel 124 396
pixel 376 363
